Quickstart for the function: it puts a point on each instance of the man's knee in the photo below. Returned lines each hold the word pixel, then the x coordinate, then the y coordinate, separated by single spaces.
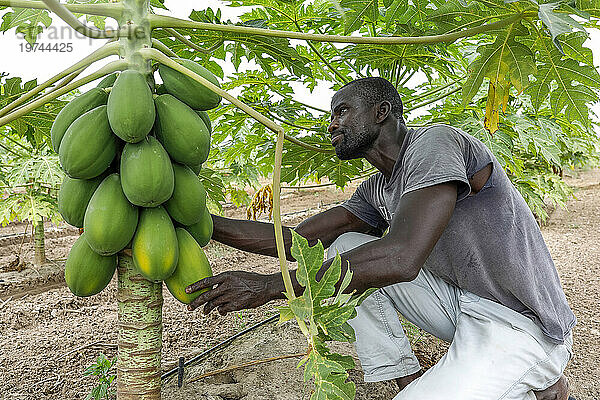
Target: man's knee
pixel 348 241
pixel 558 391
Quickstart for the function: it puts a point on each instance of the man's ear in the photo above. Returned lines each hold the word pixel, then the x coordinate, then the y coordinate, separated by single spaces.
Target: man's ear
pixel 382 111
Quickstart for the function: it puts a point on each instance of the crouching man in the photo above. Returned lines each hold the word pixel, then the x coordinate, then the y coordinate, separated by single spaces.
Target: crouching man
pixel 463 259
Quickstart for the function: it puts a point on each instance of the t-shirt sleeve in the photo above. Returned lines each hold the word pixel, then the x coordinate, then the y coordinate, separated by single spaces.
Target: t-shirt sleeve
pixel 436 156
pixel 361 204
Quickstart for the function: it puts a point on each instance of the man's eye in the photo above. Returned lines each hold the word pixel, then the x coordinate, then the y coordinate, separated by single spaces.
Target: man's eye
pixel 343 110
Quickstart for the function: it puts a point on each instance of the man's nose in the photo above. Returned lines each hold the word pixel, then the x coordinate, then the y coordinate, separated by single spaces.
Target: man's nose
pixel 333 125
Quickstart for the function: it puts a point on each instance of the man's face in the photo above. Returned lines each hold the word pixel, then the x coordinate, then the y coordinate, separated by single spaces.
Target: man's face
pixel 352 126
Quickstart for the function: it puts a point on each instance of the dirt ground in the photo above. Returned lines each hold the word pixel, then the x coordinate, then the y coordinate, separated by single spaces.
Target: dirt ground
pixel 48 336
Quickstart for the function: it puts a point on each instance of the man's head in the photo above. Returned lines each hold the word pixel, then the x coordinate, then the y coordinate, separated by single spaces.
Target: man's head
pixel 358 111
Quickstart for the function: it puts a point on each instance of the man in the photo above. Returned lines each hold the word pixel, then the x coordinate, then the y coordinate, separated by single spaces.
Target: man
pixel 463 259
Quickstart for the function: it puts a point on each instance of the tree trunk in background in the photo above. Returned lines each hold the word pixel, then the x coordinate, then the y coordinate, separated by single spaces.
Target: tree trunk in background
pixel 38 237
pixel 140 334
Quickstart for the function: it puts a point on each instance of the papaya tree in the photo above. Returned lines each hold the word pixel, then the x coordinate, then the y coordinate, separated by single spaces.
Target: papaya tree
pixel 515 73
pixel 31 183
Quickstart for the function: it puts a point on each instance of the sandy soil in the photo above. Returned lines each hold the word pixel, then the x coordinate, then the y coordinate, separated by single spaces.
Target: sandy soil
pixel 48 336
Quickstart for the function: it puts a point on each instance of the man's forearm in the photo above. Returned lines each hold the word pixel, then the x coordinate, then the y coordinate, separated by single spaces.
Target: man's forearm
pixel 371 265
pixel 252 236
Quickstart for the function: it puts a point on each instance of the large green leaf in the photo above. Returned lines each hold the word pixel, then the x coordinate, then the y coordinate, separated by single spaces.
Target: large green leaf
pixel 505 62
pixel 574 89
pixel 35 126
pixel 29 22
pixel 557 23
pixel 356 12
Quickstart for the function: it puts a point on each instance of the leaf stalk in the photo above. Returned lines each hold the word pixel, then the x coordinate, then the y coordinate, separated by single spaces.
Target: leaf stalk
pixel 112 10
pixel 191 44
pixel 103 52
pixel 67 16
pixel 107 69
pixel 163 21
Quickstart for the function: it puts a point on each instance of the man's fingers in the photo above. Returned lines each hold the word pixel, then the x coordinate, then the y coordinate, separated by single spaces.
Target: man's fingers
pixel 206 297
pixel 216 303
pixel 205 283
pixel 229 307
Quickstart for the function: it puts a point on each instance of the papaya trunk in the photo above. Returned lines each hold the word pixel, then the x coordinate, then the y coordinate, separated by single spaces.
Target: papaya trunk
pixel 38 235
pixel 140 301
pixel 140 334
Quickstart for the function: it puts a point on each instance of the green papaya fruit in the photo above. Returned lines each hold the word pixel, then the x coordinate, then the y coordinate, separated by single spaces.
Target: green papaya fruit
pixel 206 119
pixel 186 89
pixel 74 109
pixel 146 173
pixel 88 147
pixel 74 196
pixel 191 267
pixel 107 81
pixel 202 230
pixel 130 107
pixel 189 197
pixel 154 248
pixel 87 272
pixel 181 131
pixel 110 220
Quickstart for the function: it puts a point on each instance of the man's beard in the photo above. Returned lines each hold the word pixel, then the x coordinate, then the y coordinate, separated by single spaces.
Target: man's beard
pixel 354 145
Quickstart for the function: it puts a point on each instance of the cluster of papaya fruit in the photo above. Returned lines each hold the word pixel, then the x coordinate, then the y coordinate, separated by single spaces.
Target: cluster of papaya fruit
pixel 132 152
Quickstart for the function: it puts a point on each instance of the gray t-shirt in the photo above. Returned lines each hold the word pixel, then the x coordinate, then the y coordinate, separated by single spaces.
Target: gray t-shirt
pixel 492 245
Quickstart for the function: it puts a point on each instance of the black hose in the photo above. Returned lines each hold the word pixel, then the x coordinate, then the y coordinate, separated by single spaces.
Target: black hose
pixel 225 342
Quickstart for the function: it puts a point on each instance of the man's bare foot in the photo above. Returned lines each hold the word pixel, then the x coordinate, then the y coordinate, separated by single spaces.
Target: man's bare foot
pixel 405 380
pixel 558 391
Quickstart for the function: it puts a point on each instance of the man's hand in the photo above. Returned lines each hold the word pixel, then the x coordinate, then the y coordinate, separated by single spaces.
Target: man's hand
pixel 235 290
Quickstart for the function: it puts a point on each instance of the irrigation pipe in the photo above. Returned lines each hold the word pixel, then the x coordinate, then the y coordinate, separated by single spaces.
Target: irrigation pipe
pixel 225 342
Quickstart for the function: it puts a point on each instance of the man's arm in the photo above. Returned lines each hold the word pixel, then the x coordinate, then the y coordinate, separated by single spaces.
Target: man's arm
pixel 259 237
pixel 418 222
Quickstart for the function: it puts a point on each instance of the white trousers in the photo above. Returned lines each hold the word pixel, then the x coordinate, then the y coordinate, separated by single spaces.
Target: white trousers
pixel 495 352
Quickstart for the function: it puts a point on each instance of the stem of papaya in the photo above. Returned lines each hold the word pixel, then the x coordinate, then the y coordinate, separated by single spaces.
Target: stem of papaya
pixel 140 334
pixel 67 16
pixel 163 21
pixel 157 44
pixel 140 301
pixel 112 10
pixel 103 52
pixel 156 55
pixel 107 69
pixel 191 44
pixel 40 253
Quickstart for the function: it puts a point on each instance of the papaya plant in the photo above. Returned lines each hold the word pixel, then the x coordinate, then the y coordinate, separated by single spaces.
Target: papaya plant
pixel 503 58
pixel 32 186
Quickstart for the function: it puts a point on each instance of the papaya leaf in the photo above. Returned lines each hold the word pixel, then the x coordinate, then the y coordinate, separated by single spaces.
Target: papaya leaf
pixel 557 23
pixel 158 4
pixel 285 314
pixel 393 11
pixel 592 7
pixel 572 45
pixel 505 63
pixel 357 11
pixel 37 168
pixel 35 126
pixel 453 15
pixel 575 86
pixel 29 22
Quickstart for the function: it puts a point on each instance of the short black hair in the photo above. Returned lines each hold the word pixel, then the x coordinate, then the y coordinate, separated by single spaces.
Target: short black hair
pixel 373 90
